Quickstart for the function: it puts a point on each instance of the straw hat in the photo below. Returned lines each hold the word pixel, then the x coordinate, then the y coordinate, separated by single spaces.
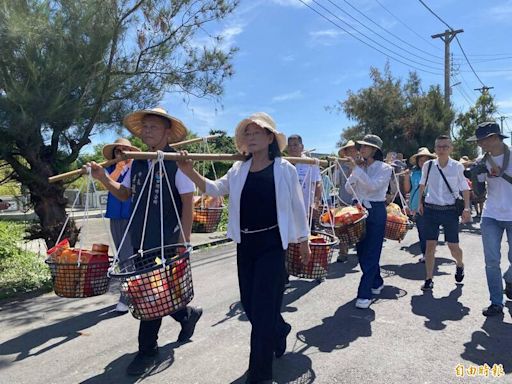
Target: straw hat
pixel 133 122
pixel 263 120
pixel 108 150
pixel 348 144
pixel 423 151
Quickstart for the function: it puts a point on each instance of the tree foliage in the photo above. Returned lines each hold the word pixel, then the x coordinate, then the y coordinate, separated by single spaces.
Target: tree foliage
pixel 402 114
pixel 71 68
pixel 466 123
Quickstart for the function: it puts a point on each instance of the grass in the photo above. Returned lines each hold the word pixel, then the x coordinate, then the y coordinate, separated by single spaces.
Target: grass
pixel 20 271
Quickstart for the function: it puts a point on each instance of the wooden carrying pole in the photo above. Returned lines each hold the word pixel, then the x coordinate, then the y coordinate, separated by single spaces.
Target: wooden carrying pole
pixel 192 156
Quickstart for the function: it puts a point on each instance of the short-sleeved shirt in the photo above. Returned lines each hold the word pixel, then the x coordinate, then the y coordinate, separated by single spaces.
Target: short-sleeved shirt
pixel 437 192
pixel 497 205
pixel 309 175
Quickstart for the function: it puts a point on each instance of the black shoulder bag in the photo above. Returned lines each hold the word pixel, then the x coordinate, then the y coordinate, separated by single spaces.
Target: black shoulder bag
pixel 459 202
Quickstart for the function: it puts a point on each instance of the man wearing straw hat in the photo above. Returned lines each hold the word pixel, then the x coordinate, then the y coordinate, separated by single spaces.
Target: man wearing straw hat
pixel 444 180
pixel 495 169
pixel 341 175
pixel 118 211
pixel 157 129
pixel 417 160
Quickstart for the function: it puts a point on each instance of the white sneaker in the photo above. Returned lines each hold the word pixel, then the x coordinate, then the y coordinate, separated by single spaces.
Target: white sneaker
pixel 377 291
pixel 422 259
pixel 121 307
pixel 363 303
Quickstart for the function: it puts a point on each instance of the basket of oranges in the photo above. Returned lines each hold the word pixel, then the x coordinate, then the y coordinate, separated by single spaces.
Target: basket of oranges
pixel 207 213
pixel 78 272
pixel 322 246
pixel 397 223
pixel 349 223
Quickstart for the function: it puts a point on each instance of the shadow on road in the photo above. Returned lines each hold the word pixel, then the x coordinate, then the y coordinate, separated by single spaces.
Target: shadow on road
pixel 234 310
pixel 491 343
pixel 115 371
pixel 414 271
pixel 338 331
pixel 63 331
pixel 439 310
pixel 294 367
pixel 471 228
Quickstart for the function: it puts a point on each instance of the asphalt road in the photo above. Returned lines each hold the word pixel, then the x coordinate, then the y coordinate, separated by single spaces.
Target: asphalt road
pixel 405 337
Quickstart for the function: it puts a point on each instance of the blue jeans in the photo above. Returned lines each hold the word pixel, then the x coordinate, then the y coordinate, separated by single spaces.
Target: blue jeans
pixel 492 233
pixel 369 250
pixel 420 226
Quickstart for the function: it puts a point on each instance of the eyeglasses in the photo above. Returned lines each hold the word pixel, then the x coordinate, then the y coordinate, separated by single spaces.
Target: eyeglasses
pixel 442 146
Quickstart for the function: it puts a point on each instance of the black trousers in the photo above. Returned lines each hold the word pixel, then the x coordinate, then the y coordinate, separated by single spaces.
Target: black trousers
pixel 261 275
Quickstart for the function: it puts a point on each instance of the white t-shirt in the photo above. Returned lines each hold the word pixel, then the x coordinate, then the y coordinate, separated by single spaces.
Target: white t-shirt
pixel 437 191
pixel 497 206
pixel 309 175
pixel 183 183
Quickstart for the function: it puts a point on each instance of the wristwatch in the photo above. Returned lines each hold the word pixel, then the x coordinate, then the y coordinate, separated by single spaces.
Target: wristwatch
pixel 467 210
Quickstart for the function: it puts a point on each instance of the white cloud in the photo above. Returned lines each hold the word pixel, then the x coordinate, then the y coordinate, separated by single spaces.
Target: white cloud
pixel 288 96
pixel 507 104
pixel 501 12
pixel 228 38
pixel 288 58
pixel 326 36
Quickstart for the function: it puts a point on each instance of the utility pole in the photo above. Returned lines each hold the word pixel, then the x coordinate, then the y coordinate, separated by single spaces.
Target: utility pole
pixel 501 122
pixel 484 90
pixel 447 38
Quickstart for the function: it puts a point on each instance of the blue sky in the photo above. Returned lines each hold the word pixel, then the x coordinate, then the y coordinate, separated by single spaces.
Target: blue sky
pixel 292 63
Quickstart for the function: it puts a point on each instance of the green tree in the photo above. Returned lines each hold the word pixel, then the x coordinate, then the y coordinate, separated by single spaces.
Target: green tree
pixel 403 115
pixel 465 125
pixel 71 68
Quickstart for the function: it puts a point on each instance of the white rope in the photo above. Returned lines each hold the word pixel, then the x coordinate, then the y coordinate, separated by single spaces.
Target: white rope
pixel 175 208
pixel 86 217
pixel 160 159
pixel 399 192
pixel 151 173
pixel 68 216
pixel 350 185
pixel 104 221
pixel 116 256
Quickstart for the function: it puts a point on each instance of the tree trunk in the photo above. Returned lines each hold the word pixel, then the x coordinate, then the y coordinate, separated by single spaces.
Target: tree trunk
pixel 50 207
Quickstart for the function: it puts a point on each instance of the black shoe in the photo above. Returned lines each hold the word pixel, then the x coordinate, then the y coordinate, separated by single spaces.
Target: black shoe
pixel 189 325
pixel 459 274
pixel 493 310
pixel 142 363
pixel 428 286
pixel 280 348
pixel 342 259
pixel 508 290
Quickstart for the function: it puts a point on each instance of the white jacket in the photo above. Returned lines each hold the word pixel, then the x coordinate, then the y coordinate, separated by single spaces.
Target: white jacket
pixel 291 214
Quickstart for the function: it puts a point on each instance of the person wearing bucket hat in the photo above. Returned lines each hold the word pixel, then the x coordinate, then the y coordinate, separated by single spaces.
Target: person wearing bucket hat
pixel 157 129
pixel 494 169
pixel 266 213
pixel 342 173
pixel 369 181
pixel 443 180
pixel 417 160
pixel 118 211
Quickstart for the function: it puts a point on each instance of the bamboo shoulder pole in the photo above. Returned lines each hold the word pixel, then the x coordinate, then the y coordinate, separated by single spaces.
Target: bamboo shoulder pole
pixel 192 156
pixel 216 157
pixel 79 172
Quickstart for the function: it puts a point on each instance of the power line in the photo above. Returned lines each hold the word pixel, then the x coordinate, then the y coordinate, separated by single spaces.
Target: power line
pixel 408 27
pixel 389 32
pixel 366 43
pixel 456 38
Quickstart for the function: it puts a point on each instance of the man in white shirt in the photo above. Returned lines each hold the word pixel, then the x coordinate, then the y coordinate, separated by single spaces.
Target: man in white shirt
pixel 439 206
pixel 495 169
pixel 309 175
